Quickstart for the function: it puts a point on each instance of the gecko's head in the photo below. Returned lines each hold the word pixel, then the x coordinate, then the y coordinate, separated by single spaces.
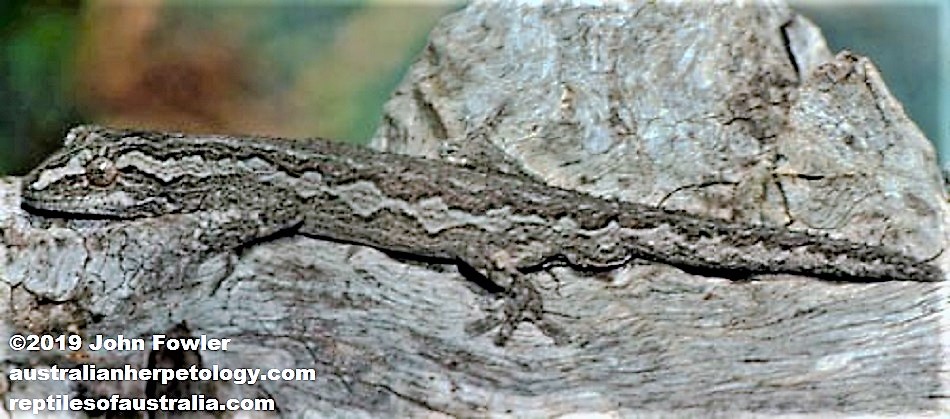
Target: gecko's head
pixel 97 174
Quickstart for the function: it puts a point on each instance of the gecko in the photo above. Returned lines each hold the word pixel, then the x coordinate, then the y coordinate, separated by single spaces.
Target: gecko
pixel 502 226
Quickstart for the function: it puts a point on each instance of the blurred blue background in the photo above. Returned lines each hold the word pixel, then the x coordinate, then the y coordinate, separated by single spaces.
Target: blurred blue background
pixel 909 42
pixel 311 68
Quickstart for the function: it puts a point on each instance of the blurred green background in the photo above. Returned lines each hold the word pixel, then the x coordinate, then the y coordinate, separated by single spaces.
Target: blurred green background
pixel 297 68
pixel 315 68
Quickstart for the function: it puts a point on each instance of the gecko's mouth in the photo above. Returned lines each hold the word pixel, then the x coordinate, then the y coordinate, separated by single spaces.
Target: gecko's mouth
pixel 67 208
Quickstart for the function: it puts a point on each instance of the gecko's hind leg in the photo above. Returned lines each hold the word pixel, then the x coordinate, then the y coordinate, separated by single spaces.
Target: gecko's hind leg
pixel 476 150
pixel 521 302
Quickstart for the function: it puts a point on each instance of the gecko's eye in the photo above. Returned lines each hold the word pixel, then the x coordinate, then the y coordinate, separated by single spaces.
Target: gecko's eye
pixel 101 172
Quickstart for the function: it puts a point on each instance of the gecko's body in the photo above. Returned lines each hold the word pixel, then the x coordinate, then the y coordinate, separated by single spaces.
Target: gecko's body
pixel 421 207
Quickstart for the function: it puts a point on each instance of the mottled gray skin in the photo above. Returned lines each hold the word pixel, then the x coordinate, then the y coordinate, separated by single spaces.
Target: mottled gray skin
pixel 501 225
pixel 423 207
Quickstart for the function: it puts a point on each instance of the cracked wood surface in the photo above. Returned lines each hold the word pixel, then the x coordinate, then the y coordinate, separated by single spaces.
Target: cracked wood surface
pixel 653 104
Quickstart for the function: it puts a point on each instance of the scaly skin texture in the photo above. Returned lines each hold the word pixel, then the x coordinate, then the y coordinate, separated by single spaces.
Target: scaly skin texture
pixel 503 226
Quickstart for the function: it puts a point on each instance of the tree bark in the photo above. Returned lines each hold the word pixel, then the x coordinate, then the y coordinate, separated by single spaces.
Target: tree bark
pixel 733 110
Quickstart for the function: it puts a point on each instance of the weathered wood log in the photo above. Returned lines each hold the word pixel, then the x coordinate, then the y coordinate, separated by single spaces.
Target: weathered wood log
pixel 733 110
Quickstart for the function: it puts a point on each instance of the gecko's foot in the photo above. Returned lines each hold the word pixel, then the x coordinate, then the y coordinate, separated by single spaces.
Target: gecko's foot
pixel 522 303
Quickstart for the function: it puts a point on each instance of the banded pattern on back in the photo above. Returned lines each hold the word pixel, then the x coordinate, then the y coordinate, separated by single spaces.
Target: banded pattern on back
pixel 425 207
